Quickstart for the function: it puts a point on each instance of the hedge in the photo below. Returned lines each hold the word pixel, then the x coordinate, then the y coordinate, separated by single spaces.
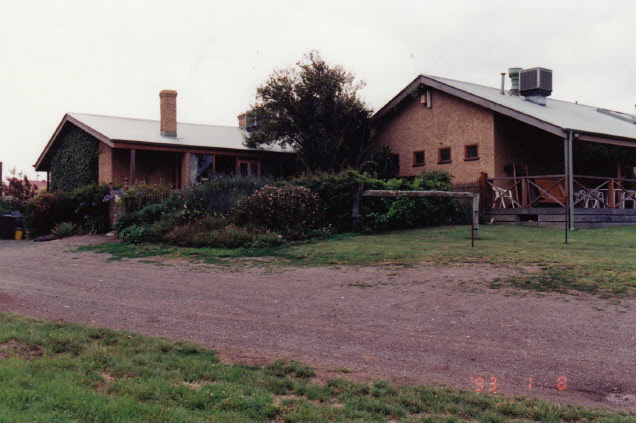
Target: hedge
pixel 305 207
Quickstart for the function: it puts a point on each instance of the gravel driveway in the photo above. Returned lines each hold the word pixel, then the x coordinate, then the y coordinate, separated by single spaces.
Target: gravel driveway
pixel 406 325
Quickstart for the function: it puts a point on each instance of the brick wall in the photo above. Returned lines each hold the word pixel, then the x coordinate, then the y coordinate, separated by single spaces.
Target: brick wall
pixel 450 122
pixel 185 170
pixel 105 160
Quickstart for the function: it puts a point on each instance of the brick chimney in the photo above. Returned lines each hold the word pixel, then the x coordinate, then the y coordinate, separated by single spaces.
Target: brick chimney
pixel 242 120
pixel 168 126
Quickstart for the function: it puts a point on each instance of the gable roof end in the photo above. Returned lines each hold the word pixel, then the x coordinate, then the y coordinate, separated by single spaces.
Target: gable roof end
pixel 557 117
pixel 68 118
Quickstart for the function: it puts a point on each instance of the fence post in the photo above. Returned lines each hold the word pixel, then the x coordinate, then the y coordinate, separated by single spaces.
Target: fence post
pixel 524 192
pixel 483 187
pixel 356 214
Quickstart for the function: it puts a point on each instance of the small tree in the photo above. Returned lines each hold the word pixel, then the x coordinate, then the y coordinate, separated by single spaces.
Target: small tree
pixel 382 163
pixel 19 188
pixel 315 109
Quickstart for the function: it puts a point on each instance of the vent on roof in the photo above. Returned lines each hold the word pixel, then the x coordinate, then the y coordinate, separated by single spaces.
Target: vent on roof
pixel 626 117
pixel 535 84
pixel 513 73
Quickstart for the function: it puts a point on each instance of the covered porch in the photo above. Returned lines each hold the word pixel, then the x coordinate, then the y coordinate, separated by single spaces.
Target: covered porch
pixel 547 179
pixel 181 169
pixel 543 200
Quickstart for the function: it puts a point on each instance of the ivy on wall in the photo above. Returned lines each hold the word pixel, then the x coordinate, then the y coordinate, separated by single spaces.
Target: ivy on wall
pixel 75 162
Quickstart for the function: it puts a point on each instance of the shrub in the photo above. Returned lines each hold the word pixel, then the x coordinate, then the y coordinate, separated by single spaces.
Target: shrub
pixel 152 222
pixel 139 196
pixel 404 213
pixel 196 234
pixel 91 212
pixel 336 194
pixel 146 215
pixel 83 207
pixel 217 232
pixel 220 195
pixel 47 209
pixel 292 211
pixel 135 234
pixel 64 229
pixel 334 191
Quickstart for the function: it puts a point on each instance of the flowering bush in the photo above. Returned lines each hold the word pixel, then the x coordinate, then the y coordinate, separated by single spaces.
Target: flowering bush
pixel 91 212
pixel 292 211
pixel 20 189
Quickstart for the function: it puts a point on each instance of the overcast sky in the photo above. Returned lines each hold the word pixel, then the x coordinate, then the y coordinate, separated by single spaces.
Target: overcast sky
pixel 114 57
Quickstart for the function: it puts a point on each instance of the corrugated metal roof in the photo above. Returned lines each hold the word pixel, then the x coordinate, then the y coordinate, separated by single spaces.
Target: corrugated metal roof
pixel 562 114
pixel 189 134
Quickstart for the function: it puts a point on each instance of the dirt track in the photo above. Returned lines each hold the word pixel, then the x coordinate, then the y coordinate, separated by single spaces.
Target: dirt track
pixel 406 325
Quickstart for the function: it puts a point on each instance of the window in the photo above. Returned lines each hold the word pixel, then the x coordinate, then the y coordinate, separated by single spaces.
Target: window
pixel 248 168
pixel 419 158
pixel 472 152
pixel 445 155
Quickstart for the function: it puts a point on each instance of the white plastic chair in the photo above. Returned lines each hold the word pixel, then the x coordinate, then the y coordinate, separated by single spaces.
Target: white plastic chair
pixel 629 196
pixel 595 203
pixel 503 194
pixel 581 198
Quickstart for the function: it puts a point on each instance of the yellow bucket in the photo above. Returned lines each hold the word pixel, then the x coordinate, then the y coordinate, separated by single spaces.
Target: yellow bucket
pixel 18 235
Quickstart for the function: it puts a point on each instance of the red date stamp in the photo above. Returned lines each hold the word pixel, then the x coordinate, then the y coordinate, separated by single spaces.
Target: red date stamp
pixel 491 384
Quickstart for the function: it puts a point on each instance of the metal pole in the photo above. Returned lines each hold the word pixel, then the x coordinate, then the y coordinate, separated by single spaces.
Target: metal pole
pixel 567 171
pixel 570 191
pixel 472 232
pixel 476 200
pixel 356 214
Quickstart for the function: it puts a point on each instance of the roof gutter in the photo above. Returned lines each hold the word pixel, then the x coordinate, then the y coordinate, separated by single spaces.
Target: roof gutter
pixel 600 138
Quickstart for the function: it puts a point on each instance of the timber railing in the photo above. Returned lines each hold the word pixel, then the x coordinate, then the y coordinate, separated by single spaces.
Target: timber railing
pixel 473 197
pixel 550 190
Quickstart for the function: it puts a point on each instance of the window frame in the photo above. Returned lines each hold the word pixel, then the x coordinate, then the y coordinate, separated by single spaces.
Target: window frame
pixel 440 157
pixel 414 162
pixel 468 158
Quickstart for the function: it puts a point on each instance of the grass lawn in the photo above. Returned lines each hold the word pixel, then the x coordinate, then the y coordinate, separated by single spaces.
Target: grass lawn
pixel 62 372
pixel 598 261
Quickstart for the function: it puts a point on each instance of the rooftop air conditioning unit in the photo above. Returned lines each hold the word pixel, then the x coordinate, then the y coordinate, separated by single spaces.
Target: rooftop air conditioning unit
pixel 536 82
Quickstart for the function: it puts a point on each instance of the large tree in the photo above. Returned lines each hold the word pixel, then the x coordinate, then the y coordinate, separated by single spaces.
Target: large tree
pixel 316 110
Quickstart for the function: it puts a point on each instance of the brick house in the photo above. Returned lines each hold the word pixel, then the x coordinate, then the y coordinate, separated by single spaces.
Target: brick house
pixel 518 146
pixel 164 152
